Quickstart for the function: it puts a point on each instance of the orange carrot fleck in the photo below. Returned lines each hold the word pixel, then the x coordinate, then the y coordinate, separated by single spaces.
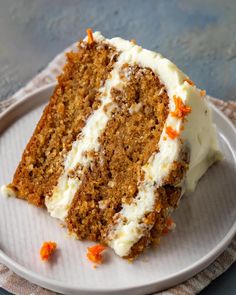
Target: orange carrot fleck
pixel 90 35
pixel 169 222
pixel 165 231
pixel 47 249
pixel 133 41
pixel 203 92
pixel 171 132
pixel 94 253
pixel 190 82
pixel 181 110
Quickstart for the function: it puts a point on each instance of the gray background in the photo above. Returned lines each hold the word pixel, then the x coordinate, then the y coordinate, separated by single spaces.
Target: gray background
pixel 199 36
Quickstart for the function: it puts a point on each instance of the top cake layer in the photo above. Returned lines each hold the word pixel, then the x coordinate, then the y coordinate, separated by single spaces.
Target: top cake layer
pixel 124 135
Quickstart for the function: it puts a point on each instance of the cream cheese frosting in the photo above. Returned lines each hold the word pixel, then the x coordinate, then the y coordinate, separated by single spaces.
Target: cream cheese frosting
pixel 7 191
pixel 199 134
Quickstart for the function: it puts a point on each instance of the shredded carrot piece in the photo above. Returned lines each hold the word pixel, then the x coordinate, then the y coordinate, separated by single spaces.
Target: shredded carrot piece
pixel 181 110
pixel 203 92
pixel 171 132
pixel 94 253
pixel 133 41
pixel 47 249
pixel 190 82
pixel 169 222
pixel 90 35
pixel 165 231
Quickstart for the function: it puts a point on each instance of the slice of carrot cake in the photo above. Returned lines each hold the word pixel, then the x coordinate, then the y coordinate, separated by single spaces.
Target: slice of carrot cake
pixel 124 135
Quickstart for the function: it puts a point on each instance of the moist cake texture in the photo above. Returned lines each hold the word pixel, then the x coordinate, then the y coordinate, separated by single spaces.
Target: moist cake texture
pixel 124 135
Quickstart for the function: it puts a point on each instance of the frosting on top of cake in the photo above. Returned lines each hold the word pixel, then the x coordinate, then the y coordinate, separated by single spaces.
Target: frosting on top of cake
pixel 199 135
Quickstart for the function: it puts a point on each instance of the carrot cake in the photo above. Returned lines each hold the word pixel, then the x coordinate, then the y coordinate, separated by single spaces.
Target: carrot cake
pixel 123 136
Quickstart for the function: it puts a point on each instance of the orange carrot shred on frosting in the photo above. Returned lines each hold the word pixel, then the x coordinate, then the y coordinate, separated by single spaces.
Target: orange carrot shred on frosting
pixel 190 82
pixel 171 132
pixel 94 253
pixel 202 92
pixel 47 249
pixel 181 110
pixel 90 35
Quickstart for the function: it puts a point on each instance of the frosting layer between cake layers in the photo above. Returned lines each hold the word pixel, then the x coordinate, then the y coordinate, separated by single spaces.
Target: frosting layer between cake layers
pixel 199 135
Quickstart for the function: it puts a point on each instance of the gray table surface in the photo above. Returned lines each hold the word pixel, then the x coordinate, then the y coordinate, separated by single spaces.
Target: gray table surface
pixel 199 36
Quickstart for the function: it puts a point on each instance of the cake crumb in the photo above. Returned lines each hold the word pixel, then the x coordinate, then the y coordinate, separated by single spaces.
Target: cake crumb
pixel 47 250
pixel 94 253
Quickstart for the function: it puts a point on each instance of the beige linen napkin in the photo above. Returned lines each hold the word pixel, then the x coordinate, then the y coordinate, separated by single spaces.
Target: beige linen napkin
pixel 15 284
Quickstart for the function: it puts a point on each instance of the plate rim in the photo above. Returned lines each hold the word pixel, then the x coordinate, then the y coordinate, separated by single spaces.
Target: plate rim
pixel 54 285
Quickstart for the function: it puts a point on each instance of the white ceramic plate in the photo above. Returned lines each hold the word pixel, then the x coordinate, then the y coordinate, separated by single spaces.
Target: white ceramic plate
pixel 205 223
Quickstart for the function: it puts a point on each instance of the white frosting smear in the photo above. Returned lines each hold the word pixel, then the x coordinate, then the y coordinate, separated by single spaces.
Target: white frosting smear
pixel 7 192
pixel 199 134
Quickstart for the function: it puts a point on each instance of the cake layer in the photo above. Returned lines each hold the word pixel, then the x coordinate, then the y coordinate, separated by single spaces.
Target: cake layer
pixel 74 99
